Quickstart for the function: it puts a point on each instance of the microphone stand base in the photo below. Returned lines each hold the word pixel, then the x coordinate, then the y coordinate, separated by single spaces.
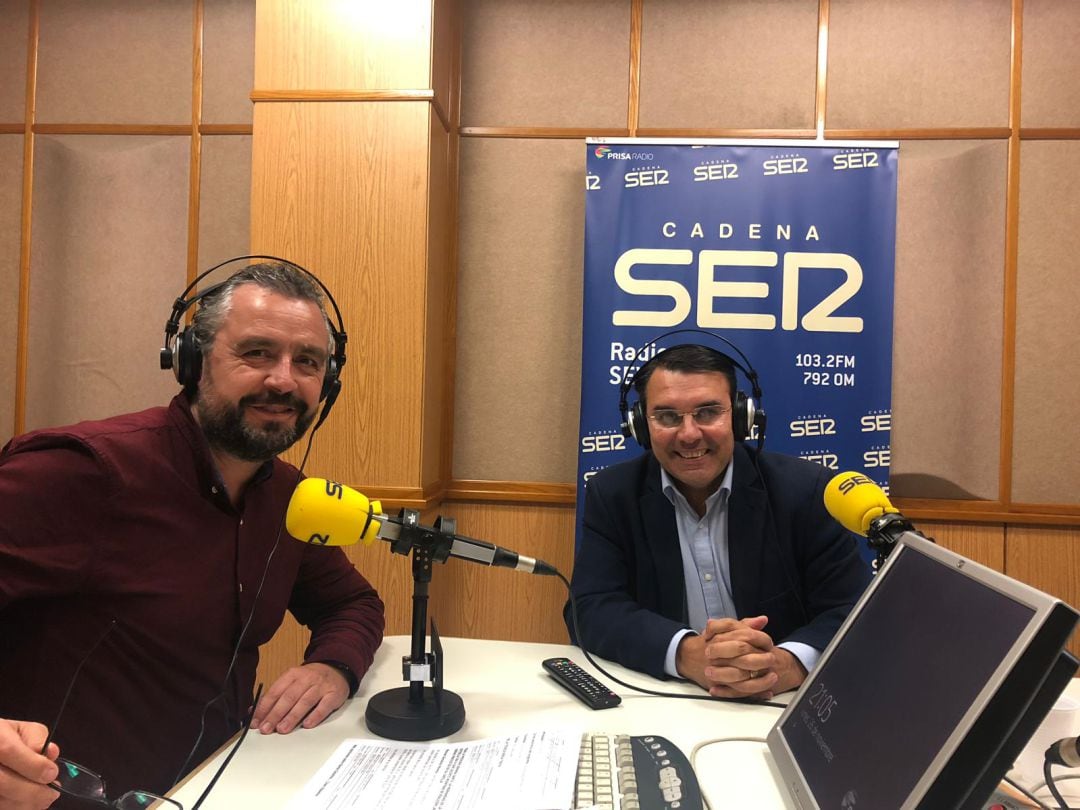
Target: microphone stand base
pixel 392 715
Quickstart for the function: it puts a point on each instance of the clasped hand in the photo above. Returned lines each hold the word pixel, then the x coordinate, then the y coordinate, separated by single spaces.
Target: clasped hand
pixel 734 658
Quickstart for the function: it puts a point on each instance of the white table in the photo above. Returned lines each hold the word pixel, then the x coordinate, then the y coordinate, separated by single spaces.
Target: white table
pixel 506 690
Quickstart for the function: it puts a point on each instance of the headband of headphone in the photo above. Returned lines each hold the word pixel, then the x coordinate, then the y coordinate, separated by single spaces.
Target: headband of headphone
pixel 181 352
pixel 746 413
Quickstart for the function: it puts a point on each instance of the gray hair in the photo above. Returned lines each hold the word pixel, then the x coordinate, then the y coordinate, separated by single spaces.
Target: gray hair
pixel 278 277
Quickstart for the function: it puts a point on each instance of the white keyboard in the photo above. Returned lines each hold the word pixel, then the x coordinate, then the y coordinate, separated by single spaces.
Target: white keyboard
pixel 620 772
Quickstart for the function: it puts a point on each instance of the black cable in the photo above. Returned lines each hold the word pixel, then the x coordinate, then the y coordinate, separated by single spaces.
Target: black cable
pixel 1027 794
pixel 654 693
pixel 232 753
pixel 247 624
pixel 1047 765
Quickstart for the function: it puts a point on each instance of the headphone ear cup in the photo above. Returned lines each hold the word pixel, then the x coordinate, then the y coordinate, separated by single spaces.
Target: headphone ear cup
pixel 331 383
pixel 740 416
pixel 639 425
pixel 187 359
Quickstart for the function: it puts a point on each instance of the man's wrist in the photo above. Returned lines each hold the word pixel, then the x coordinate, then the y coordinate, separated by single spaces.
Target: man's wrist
pixel 345 670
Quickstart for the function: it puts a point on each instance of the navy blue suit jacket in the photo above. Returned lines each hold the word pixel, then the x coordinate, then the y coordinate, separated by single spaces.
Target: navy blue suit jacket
pixel 789 560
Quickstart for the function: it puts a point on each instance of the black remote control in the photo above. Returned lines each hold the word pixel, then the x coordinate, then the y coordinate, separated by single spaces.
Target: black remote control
pixel 584 686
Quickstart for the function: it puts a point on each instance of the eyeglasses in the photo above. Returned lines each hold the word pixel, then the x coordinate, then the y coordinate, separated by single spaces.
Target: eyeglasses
pixel 703 417
pixel 75 780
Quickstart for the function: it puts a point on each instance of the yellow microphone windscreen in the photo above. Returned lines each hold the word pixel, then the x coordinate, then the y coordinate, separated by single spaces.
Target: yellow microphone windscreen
pixel 855 501
pixel 330 514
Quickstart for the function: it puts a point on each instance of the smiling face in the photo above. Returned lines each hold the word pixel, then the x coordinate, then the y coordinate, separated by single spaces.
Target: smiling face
pixel 262 375
pixel 696 456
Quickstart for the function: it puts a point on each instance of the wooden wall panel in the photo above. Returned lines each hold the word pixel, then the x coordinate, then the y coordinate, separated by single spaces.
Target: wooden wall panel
pixel 983 543
pixel 11 180
pixel 225 199
pixel 107 261
pixel 115 61
pixel 15 14
pixel 439 309
pixel 1046 558
pixel 228 60
pixel 1051 31
pixel 918 63
pixel 947 333
pixel 701 64
pixel 521 241
pixel 478 602
pixel 367 242
pixel 1046 448
pixel 328 45
pixel 545 64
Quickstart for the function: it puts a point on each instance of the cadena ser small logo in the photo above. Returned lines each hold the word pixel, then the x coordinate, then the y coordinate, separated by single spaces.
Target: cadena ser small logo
pixel 601 151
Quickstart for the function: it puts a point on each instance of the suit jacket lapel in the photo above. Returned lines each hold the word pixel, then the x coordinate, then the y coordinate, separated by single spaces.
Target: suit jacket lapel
pixel 747 523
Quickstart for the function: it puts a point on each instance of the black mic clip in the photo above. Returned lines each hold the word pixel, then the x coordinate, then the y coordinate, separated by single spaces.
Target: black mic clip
pixel 886 530
pixel 434 541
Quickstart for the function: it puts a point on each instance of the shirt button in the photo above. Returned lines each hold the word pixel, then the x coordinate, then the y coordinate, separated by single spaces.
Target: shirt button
pixel 708 577
pixel 213 489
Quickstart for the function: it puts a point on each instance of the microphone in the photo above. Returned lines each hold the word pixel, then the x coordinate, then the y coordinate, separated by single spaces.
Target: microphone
pixel 862 507
pixel 1064 752
pixel 330 514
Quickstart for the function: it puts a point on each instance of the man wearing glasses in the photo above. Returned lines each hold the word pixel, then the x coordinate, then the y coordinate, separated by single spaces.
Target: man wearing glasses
pixel 706 559
pixel 144 561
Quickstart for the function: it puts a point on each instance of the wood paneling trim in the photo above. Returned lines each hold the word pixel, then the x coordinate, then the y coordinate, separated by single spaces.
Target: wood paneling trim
pixel 633 107
pixel 542 132
pixel 1012 219
pixel 225 129
pixel 357 95
pixel 12 129
pixel 928 134
pixel 22 340
pixel 1049 133
pixel 821 93
pixel 512 491
pixel 195 163
pixel 113 129
pixel 343 95
pixel 667 132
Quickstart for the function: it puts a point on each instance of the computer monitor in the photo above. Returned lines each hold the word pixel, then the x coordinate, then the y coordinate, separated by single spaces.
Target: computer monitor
pixel 929 690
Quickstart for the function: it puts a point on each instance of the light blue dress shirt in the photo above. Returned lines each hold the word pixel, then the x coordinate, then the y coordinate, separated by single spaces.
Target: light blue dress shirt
pixel 706 567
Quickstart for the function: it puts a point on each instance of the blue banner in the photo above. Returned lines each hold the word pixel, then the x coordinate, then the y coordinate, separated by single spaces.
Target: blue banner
pixel 786 249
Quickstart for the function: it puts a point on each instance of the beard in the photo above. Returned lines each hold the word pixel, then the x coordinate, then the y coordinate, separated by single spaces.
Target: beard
pixel 226 430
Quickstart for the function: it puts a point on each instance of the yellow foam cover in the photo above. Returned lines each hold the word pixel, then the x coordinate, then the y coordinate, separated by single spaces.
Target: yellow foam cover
pixel 330 514
pixel 855 501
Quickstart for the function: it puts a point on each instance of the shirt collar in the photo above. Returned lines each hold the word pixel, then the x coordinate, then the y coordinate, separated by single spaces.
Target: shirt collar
pixel 671 492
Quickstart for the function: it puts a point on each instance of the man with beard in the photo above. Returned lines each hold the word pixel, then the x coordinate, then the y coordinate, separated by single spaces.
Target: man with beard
pixel 150 547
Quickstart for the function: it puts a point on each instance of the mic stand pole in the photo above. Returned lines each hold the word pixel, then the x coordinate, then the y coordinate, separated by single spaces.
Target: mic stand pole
pixel 414 712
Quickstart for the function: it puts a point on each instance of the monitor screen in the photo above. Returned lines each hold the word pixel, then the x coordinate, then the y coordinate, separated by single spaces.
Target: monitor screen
pixel 906 677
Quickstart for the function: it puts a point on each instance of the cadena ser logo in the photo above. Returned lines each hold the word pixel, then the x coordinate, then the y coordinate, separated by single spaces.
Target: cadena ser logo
pixel 855 159
pixel 785 164
pixel 813 425
pixel 601 151
pixel 716 170
pixel 648 176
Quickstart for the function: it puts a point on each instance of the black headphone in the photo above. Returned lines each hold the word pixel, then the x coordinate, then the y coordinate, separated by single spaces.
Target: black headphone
pixel 182 354
pixel 745 413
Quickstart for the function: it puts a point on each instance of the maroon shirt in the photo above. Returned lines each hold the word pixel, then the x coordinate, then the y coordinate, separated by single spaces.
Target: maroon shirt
pixel 127 519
